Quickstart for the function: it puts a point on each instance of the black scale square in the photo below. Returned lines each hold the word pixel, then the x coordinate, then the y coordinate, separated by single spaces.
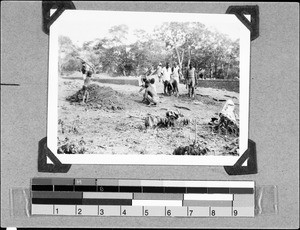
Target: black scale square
pixel 153 189
pixel 64 188
pixel 56 201
pixel 130 189
pixel 107 188
pixel 196 190
pixel 218 190
pixel 175 189
pixel 86 188
pixel 42 187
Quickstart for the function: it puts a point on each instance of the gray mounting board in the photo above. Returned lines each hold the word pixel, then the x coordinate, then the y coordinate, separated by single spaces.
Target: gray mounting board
pixel 274 115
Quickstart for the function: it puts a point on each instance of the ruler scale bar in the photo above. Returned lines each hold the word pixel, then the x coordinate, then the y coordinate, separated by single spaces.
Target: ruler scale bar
pixel 146 183
pixel 85 188
pixel 112 197
pixel 126 210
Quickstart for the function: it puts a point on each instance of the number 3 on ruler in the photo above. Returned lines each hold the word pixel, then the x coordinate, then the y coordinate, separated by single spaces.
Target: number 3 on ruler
pixel 101 212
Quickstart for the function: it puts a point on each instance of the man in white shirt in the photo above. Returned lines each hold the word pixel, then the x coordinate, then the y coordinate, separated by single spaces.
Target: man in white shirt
pixel 166 76
pixel 175 78
pixel 176 72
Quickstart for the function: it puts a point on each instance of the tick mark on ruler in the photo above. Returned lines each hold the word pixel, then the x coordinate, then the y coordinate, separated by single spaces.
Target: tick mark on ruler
pixel 9 84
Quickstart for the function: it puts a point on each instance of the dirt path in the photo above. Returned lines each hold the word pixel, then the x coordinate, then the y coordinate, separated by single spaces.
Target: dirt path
pixel 123 132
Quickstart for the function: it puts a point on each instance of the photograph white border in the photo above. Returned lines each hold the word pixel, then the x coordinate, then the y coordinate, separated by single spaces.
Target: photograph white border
pixel 134 159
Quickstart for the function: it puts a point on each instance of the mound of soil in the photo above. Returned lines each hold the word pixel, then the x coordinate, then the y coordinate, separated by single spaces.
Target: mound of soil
pixel 100 97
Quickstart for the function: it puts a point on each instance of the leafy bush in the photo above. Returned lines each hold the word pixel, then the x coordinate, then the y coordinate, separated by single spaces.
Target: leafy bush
pixel 70 66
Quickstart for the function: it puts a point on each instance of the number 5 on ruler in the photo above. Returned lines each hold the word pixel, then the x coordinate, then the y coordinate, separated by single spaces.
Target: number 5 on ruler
pixel 146 212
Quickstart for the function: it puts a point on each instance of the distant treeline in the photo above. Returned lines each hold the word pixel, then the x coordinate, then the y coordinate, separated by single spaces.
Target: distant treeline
pixel 212 52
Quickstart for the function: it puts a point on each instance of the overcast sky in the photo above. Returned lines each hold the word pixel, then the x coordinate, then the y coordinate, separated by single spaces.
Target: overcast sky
pixel 86 25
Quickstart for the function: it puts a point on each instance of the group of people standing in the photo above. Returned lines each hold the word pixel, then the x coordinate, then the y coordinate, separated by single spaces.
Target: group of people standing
pixel 170 77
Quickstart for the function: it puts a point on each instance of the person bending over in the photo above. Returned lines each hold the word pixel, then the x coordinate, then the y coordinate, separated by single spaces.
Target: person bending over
pixel 150 95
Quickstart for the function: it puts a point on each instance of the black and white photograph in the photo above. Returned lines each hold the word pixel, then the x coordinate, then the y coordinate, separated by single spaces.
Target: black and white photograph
pixel 148 88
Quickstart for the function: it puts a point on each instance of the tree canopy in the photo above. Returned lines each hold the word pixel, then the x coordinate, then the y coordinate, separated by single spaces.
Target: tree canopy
pixel 212 52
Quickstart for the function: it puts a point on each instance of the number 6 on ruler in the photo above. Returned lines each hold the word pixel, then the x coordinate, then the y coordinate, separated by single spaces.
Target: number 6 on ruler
pixel 169 213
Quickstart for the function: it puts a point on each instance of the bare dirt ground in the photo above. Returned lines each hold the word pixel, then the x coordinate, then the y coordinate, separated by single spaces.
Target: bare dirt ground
pixel 101 131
